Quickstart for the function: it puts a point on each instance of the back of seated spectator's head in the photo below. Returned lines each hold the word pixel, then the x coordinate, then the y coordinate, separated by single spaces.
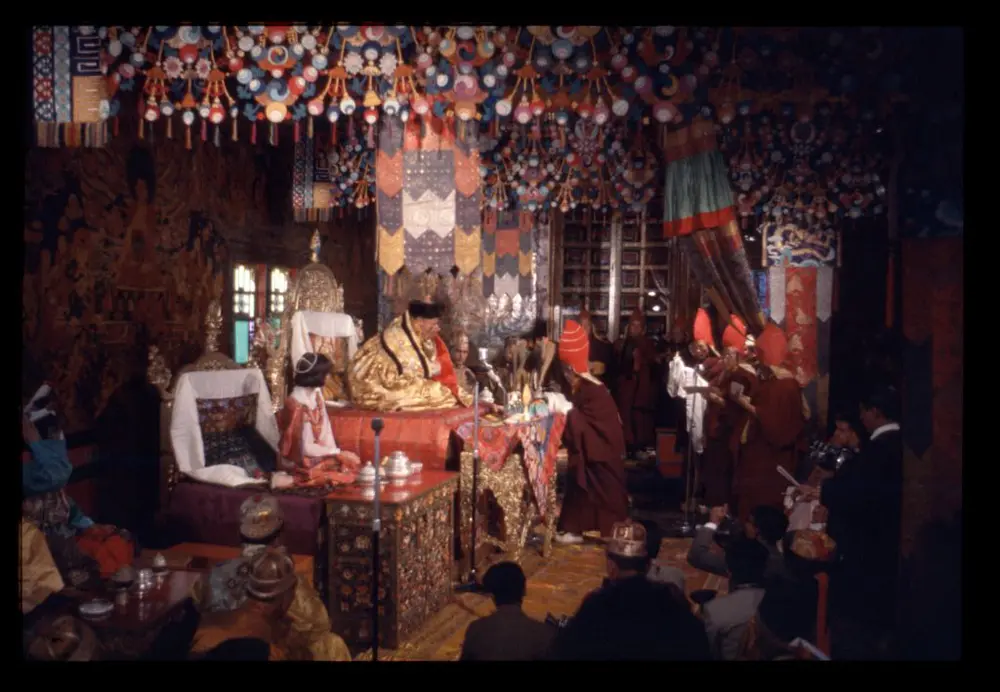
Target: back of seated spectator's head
pixel 631 548
pixel 767 524
pixel 242 649
pixel 506 583
pixel 746 560
pixel 879 407
pixel 633 619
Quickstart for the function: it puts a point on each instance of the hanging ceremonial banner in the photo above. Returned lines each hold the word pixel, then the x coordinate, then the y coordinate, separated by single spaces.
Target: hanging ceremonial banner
pixel 70 91
pixel 428 197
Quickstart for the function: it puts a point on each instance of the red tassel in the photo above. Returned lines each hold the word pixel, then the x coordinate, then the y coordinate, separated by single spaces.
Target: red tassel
pixel 296 131
pixel 350 129
pixel 114 126
pixel 204 130
pixel 253 133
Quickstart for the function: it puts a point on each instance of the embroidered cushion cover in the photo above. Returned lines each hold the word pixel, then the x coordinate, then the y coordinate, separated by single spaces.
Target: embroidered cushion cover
pixel 229 435
pixel 334 348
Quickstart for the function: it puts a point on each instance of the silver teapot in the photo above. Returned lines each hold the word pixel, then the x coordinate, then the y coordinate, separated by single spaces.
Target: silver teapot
pixel 397 466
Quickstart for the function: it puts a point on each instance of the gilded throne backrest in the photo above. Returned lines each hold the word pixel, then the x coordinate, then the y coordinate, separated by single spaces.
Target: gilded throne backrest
pixel 161 377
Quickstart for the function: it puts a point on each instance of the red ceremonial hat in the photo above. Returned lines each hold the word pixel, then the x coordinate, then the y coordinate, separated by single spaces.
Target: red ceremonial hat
pixel 703 328
pixel 735 334
pixel 574 347
pixel 772 346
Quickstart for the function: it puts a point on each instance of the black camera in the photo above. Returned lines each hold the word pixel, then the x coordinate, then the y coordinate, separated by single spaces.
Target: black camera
pixel 829 457
pixel 727 530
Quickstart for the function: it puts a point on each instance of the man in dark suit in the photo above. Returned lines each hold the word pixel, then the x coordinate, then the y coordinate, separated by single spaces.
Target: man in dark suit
pixel 727 618
pixel 864 500
pixel 767 526
pixel 508 634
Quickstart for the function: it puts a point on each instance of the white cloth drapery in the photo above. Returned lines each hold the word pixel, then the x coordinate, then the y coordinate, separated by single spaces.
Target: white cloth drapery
pixel 185 430
pixel 327 324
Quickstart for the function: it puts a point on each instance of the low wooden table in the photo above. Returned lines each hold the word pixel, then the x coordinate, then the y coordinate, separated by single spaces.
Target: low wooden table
pixel 129 630
pixel 202 557
pixel 417 543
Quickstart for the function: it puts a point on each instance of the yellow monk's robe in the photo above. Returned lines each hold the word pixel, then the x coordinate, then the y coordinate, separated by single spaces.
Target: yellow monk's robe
pixel 40 577
pixel 302 634
pixel 395 371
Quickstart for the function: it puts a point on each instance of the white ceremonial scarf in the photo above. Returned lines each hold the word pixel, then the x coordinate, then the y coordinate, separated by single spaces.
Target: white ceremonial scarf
pixel 326 445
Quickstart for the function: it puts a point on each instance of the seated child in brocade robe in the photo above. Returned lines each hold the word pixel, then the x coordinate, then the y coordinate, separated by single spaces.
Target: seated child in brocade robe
pixel 308 450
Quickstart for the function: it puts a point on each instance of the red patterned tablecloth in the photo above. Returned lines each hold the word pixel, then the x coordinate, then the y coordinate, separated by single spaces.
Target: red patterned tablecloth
pixel 425 436
pixel 540 438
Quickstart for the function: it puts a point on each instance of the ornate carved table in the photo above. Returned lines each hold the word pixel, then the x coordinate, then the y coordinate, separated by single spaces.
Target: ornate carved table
pixel 416 546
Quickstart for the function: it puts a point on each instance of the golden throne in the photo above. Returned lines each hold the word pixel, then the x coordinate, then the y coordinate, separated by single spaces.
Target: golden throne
pixel 315 302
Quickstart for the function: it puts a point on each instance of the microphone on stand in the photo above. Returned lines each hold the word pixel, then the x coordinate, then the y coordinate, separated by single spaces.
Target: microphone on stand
pixel 471 583
pixel 376 532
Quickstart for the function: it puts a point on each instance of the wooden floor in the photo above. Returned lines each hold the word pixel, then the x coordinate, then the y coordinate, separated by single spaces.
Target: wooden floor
pixel 555 586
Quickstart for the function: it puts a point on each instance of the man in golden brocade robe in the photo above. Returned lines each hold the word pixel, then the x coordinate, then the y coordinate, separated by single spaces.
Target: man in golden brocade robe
pixel 407 367
pixel 288 614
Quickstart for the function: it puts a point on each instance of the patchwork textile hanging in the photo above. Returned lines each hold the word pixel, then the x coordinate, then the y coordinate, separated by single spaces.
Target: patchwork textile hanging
pixel 428 194
pixel 507 253
pixel 69 91
pixel 311 181
pixel 801 302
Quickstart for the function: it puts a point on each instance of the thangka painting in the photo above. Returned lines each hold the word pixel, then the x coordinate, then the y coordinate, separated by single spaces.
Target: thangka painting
pixel 428 196
pixel 70 92
pixel 797 245
pixel 801 303
pixel 122 251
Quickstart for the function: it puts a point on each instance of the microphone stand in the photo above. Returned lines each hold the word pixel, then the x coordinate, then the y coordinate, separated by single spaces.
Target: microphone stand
pixel 376 532
pixel 471 584
pixel 687 528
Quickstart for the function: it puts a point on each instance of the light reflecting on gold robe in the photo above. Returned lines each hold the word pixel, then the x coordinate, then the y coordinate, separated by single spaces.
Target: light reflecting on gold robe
pixel 40 577
pixel 303 634
pixel 392 371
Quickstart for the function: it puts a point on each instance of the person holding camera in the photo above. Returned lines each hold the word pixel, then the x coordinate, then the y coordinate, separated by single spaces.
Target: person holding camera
pixel 766 525
pixel 864 501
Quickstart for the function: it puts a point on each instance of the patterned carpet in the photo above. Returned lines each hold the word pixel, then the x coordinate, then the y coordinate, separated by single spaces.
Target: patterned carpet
pixel 555 586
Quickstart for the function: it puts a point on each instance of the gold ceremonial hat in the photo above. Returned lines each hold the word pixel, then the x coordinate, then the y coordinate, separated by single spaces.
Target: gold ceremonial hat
pixel 628 539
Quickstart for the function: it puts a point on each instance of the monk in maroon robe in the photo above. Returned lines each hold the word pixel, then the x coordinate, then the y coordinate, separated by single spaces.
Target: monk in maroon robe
pixel 636 387
pixel 602 351
pixel 771 430
pixel 723 414
pixel 596 496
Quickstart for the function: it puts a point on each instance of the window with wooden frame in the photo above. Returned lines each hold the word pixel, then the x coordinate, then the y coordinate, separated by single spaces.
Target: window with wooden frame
pixel 259 290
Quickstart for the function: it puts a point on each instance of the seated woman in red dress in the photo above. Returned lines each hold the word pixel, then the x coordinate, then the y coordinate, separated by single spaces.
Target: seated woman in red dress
pixel 308 450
